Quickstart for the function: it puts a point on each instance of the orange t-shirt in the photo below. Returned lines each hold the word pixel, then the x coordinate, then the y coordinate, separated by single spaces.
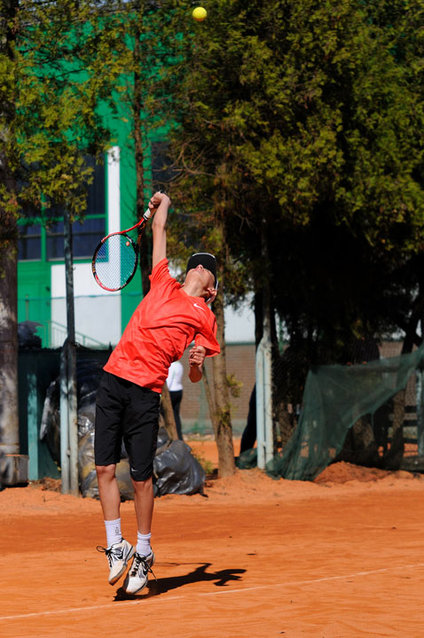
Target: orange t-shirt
pixel 162 326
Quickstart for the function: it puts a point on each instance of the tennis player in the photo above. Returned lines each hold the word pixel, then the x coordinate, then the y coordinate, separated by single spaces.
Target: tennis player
pixel 169 318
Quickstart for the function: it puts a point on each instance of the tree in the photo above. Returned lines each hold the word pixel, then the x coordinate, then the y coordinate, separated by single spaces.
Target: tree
pixel 333 135
pixel 151 48
pixel 57 61
pixel 309 117
pixel 9 428
pixel 204 190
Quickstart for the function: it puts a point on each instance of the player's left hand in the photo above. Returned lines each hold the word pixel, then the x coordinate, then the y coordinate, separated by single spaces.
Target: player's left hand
pixel 197 356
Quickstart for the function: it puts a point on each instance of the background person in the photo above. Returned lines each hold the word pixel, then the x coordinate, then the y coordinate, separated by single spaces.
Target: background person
pixel 174 382
pixel 248 438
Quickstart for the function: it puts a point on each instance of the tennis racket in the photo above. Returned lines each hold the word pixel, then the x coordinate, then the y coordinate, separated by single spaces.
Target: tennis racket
pixel 115 259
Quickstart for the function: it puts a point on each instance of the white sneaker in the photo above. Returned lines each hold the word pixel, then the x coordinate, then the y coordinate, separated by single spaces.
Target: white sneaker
pixel 136 578
pixel 118 556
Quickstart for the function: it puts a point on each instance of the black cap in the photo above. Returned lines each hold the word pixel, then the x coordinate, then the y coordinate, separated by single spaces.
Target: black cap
pixel 207 260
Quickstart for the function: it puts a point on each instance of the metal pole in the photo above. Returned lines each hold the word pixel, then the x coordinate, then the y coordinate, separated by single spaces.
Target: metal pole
pixel 71 359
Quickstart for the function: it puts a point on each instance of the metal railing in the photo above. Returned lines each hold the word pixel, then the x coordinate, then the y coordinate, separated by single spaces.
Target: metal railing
pixel 53 334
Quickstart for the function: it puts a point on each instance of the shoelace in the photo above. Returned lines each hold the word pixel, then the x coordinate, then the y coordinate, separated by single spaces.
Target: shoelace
pixel 111 553
pixel 141 560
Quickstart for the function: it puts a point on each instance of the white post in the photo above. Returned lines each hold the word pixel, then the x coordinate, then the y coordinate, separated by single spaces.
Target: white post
pixel 264 429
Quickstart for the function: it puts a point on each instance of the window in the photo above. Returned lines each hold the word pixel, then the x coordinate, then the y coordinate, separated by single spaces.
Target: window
pixel 29 242
pixel 85 237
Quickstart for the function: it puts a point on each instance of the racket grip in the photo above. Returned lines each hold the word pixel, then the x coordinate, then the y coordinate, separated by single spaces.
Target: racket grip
pixel 147 214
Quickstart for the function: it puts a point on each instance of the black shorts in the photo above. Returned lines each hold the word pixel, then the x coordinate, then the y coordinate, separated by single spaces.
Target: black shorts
pixel 126 412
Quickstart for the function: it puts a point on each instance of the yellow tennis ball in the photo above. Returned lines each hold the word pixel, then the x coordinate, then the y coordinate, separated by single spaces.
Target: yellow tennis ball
pixel 199 14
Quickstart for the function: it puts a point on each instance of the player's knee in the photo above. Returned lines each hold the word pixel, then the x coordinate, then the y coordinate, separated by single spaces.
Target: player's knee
pixel 105 472
pixel 143 484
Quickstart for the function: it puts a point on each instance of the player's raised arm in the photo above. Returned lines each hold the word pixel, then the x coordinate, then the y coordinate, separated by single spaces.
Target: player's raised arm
pixel 160 202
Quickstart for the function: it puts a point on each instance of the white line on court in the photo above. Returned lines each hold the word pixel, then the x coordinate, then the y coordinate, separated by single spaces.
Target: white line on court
pixel 72 610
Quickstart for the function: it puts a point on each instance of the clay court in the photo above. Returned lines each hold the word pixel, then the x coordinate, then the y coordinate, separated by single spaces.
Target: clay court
pixel 340 557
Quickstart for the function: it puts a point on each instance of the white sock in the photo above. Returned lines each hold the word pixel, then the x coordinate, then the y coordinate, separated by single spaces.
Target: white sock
pixel 113 531
pixel 143 544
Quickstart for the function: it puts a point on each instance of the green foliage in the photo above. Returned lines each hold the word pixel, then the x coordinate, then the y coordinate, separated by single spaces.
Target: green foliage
pixel 306 118
pixel 59 60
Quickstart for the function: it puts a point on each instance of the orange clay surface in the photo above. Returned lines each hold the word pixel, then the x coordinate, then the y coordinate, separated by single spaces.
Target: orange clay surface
pixel 340 557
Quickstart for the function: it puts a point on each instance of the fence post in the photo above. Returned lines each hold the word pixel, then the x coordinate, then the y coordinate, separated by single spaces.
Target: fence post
pixel 264 432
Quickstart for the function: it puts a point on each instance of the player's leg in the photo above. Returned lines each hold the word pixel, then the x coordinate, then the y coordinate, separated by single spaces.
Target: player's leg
pixel 109 494
pixel 144 557
pixel 144 503
pixel 140 436
pixel 107 449
pixel 248 437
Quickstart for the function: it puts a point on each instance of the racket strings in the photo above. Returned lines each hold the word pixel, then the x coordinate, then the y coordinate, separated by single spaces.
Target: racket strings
pixel 115 262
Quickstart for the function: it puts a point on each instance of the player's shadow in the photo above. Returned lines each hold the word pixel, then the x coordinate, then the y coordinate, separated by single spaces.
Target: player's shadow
pixel 200 574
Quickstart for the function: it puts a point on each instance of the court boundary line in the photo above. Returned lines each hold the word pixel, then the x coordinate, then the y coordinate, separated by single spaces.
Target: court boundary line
pixel 71 610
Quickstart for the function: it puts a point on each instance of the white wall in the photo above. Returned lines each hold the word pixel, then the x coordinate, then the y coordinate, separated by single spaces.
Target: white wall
pixel 240 324
pixel 97 312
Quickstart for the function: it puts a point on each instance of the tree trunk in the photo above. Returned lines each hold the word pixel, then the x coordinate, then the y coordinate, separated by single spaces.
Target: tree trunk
pixel 9 421
pixel 211 402
pixel 139 148
pixel 224 432
pixel 393 457
pixel 14 469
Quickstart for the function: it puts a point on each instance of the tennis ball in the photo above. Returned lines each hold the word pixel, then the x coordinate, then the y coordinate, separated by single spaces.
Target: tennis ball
pixel 199 14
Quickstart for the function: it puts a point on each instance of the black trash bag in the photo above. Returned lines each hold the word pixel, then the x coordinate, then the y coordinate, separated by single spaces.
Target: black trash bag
pixel 163 441
pixel 89 373
pixel 177 471
pixel 50 421
pixel 27 337
pixel 86 466
pixel 2 468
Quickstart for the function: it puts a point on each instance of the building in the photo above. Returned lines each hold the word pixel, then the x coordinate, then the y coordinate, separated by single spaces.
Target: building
pixel 101 316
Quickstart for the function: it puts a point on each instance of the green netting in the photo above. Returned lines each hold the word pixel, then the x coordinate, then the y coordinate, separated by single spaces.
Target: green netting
pixel 335 397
